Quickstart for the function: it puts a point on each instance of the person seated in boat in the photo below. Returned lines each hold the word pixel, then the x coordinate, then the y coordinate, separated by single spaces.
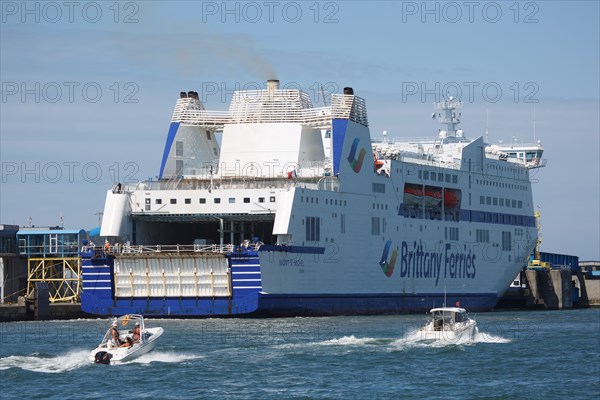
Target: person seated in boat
pixel 136 333
pixel 115 339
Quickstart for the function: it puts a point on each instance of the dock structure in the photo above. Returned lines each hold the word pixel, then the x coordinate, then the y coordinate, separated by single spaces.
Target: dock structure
pixel 553 282
pixel 12 266
pixel 53 259
pixel 590 274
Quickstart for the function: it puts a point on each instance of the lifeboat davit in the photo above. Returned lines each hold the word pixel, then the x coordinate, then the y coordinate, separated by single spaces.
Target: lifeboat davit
pixel 378 163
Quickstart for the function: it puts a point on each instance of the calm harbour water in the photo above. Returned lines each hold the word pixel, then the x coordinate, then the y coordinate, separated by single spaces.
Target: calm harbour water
pixel 516 355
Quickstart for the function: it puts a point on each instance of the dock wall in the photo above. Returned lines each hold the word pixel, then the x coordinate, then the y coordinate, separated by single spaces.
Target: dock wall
pixel 553 290
pixel 23 312
pixel 593 291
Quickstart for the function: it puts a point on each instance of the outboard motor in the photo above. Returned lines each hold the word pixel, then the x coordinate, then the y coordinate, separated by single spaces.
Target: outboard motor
pixel 102 357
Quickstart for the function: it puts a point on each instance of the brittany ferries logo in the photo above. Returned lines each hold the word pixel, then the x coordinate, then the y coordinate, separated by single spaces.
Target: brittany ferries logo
pixel 356 163
pixel 388 267
pixel 418 263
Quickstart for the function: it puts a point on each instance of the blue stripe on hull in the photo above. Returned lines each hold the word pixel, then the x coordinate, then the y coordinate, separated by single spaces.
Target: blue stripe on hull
pixel 364 304
pixel 252 304
pixel 173 307
pixel 97 298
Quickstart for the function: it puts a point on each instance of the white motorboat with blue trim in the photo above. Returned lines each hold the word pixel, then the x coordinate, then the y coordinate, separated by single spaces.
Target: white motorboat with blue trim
pixel 121 347
pixel 449 324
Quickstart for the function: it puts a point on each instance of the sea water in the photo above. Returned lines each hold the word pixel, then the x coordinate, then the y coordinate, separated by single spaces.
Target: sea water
pixel 515 355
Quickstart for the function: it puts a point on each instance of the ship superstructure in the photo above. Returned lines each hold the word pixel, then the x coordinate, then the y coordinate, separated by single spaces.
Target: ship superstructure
pixel 297 211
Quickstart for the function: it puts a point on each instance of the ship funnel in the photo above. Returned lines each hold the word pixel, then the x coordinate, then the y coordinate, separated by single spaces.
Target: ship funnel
pixel 348 90
pixel 272 86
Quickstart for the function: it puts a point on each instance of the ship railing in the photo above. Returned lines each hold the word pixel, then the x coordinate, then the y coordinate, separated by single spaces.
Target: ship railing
pixel 202 117
pixel 533 163
pixel 537 163
pixel 251 111
pixel 350 107
pixel 224 183
pixel 329 183
pixel 169 248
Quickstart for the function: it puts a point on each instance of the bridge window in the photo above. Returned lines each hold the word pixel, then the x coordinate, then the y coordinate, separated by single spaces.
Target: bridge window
pixel 173 201
pixel 217 200
pixel 202 201
pixel 158 201
pixel 246 199
pixel 188 201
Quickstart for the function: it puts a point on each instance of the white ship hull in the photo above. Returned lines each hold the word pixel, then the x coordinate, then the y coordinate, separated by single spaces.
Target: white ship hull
pixel 342 233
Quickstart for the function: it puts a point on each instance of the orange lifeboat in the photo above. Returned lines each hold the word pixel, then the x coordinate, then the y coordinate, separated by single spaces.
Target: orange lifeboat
pixel 451 199
pixel 433 196
pixel 413 194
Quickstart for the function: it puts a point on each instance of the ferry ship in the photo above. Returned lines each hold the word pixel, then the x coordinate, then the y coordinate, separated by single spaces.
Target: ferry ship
pixel 296 210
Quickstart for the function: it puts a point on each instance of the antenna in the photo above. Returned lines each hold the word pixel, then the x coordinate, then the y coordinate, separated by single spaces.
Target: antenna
pixel 534 122
pixel 323 94
pixel 487 122
pixel 444 296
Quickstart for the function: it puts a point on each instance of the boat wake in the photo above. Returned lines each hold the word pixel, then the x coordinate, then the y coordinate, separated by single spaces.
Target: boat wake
pixel 80 358
pixel 413 339
pixel 350 341
pixel 164 357
pixel 47 364
pixel 416 339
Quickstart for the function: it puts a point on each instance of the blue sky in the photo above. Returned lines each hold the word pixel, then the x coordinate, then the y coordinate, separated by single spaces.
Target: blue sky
pixel 87 92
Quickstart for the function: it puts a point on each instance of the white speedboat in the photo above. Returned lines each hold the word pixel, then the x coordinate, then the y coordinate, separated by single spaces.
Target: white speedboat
pixel 127 338
pixel 449 324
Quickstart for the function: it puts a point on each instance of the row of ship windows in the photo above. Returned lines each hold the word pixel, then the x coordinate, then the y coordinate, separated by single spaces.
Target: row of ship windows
pixel 437 176
pixel 481 236
pixel 495 201
pixel 216 200
pixel 501 184
pixel 378 226
pixel 328 202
